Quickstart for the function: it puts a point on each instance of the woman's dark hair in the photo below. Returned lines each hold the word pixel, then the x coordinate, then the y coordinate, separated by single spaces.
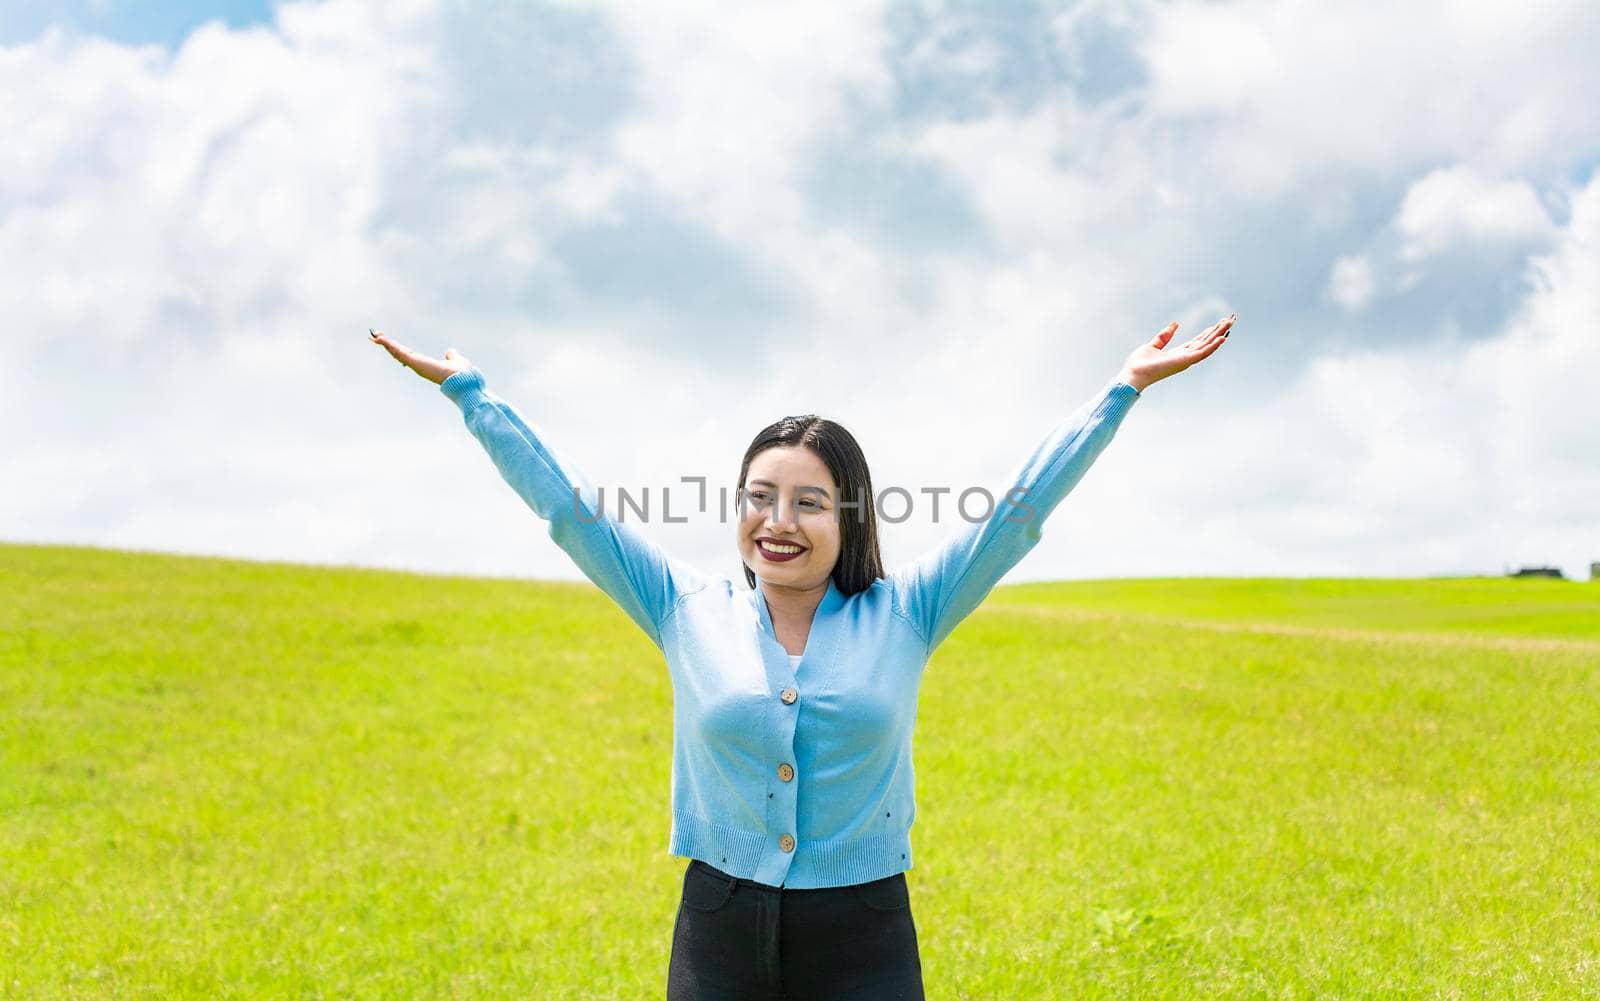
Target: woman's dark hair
pixel 859 562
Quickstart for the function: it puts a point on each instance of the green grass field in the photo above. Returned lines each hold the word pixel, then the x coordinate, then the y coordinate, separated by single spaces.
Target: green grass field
pixel 223 778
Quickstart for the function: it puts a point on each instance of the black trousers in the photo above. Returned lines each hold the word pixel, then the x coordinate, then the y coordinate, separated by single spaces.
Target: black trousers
pixel 739 940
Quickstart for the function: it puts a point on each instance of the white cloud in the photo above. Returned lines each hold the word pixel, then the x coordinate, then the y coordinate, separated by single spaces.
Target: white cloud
pixel 731 95
pixel 1351 283
pixel 1009 165
pixel 1459 205
pixel 1451 456
pixel 1287 89
pixel 235 176
pixel 194 242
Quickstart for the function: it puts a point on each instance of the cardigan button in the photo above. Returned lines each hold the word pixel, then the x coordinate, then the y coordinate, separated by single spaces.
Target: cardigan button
pixel 785 771
pixel 786 842
pixel 788 696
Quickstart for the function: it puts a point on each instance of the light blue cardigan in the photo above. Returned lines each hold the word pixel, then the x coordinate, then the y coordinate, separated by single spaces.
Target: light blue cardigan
pixel 842 720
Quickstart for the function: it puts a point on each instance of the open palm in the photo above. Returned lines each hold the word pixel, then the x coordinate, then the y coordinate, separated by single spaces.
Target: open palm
pixel 1151 362
pixel 435 370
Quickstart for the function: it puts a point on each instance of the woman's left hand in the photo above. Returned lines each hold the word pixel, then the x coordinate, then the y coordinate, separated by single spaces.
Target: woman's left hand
pixel 1149 363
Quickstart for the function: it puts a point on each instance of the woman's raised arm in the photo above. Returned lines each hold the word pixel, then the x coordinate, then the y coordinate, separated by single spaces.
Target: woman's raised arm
pixel 637 574
pixel 943 586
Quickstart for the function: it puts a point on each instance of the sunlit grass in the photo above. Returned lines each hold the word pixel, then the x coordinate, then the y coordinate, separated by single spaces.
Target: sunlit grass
pixel 222 778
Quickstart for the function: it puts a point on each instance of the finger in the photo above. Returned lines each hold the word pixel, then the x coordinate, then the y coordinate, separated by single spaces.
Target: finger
pixel 1161 339
pixel 409 358
pixel 1199 339
pixel 1213 344
pixel 402 353
pixel 1221 332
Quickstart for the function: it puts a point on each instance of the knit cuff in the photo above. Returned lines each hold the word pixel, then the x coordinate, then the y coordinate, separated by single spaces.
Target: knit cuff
pixel 464 388
pixel 1121 393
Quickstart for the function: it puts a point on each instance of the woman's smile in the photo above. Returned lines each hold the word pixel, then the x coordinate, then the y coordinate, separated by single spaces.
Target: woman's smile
pixel 779 551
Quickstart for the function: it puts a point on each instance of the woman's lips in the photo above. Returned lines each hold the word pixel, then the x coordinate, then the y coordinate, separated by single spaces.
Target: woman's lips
pixel 776 557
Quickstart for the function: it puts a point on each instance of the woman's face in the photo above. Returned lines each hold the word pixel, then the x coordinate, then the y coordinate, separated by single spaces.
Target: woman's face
pixel 789 501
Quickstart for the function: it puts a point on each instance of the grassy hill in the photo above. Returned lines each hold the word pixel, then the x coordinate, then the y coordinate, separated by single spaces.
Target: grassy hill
pixel 222 778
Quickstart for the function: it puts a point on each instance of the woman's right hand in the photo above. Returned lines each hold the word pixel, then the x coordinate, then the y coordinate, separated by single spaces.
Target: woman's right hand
pixel 432 369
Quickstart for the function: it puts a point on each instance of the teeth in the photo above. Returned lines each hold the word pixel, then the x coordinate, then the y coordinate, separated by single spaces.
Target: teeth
pixel 774 547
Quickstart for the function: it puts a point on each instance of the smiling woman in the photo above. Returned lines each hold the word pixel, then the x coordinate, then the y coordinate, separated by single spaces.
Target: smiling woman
pixel 794 698
pixel 806 517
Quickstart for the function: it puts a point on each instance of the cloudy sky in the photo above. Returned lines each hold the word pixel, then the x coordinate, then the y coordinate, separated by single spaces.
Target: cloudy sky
pixel 658 227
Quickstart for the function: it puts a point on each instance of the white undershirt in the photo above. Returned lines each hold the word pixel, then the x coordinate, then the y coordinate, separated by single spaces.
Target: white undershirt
pixel 794 660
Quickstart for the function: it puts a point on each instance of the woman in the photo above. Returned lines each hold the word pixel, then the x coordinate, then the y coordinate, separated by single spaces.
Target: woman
pixel 794 698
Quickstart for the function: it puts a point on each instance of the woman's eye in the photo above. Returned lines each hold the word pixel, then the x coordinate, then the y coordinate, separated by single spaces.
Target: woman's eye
pixel 762 497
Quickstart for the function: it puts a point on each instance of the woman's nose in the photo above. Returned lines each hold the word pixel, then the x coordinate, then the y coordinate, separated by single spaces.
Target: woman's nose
pixel 775 515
